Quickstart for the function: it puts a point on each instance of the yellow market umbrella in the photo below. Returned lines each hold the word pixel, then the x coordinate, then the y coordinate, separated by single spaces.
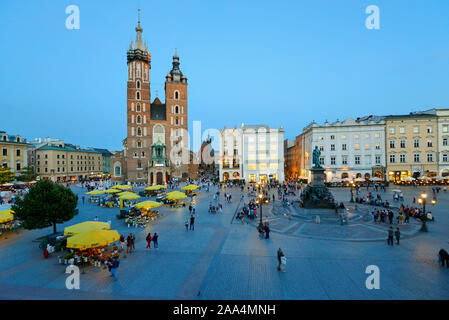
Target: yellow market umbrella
pixel 131 196
pixel 148 204
pixel 124 193
pixel 92 239
pixel 122 186
pixel 190 187
pixel 95 192
pixel 156 187
pixel 176 195
pixel 6 215
pixel 112 191
pixel 84 227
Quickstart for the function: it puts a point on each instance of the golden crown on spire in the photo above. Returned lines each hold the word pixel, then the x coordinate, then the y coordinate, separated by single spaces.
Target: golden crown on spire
pixel 138 28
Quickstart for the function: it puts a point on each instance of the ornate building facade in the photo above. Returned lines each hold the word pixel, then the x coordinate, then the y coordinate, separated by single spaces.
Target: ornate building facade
pixel 156 146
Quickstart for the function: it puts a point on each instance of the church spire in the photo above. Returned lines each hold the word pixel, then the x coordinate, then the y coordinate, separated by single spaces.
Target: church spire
pixel 139 31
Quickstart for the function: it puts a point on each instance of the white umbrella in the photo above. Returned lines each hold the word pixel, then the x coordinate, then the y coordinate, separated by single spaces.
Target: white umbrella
pixel 376 179
pixel 7 185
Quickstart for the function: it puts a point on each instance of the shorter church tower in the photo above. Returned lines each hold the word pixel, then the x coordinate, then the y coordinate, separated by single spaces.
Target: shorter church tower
pixel 176 102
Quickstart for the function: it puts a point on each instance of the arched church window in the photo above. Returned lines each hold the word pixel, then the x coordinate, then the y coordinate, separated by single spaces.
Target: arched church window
pixel 176 95
pixel 139 120
pixel 177 110
pixel 138 84
pixel 177 120
pixel 159 133
pixel 139 131
pixel 138 95
pixel 138 107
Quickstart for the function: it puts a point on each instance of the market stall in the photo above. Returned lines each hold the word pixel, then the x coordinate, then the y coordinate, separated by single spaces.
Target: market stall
pixel 91 248
pixel 86 226
pixel 7 222
pixel 127 196
pixel 155 190
pixel 94 195
pixel 190 189
pixel 143 214
pixel 173 199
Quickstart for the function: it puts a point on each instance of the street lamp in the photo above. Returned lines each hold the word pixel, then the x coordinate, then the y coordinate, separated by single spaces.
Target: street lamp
pixel 423 201
pixel 260 202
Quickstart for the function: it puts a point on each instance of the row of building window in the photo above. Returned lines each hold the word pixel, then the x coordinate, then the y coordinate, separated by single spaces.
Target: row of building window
pixel 344 147
pixel 18 165
pixel 416 143
pixel 62 156
pixel 58 169
pixel 262 166
pixel 416 129
pixel 344 160
pixel 416 158
pixel 5 152
pixel 356 136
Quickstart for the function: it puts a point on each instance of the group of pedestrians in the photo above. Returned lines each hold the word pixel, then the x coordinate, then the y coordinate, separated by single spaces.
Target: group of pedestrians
pixel 153 239
pixel 396 234
pixel 190 222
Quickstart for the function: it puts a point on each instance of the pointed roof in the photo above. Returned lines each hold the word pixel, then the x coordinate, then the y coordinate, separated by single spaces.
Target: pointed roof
pixel 139 31
pixel 157 101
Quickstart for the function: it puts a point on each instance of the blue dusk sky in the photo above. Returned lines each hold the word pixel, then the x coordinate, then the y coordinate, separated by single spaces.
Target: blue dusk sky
pixel 281 63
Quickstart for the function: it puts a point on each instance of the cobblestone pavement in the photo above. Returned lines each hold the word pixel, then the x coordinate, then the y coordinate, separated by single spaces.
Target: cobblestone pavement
pixel 224 260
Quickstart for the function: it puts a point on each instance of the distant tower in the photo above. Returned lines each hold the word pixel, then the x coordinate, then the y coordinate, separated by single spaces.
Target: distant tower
pixel 138 142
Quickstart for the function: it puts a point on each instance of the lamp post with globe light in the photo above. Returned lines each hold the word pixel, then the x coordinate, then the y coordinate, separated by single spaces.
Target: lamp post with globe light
pixel 260 202
pixel 423 201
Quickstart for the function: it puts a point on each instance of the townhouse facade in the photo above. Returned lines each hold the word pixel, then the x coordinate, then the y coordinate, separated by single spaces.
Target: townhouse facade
pixel 411 145
pixel 352 149
pixel 14 152
pixel 254 153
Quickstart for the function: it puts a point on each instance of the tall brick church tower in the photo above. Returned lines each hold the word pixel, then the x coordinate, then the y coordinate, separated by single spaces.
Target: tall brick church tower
pixel 137 144
pixel 153 128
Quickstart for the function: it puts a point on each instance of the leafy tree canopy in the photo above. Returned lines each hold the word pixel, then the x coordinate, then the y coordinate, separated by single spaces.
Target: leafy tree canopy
pixel 46 204
pixel 27 174
pixel 6 175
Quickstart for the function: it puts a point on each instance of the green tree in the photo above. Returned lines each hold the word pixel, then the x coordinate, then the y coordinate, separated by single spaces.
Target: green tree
pixel 45 205
pixel 6 175
pixel 27 174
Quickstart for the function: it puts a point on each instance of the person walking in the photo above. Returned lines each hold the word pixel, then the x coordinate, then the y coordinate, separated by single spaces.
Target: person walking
pixel 390 236
pixel 190 208
pixel 283 263
pixel 122 241
pixel 397 234
pixel 129 247
pixel 267 231
pixel 155 238
pixel 187 224
pixel 192 222
pixel 113 267
pixel 148 238
pixel 280 255
pixel 390 216
pixel 133 241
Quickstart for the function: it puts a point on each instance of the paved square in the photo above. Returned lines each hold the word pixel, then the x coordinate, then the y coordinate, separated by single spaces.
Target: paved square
pixel 225 259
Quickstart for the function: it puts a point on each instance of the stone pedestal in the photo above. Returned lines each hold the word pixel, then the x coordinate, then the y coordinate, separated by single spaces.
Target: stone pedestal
pixel 317 177
pixel 316 194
